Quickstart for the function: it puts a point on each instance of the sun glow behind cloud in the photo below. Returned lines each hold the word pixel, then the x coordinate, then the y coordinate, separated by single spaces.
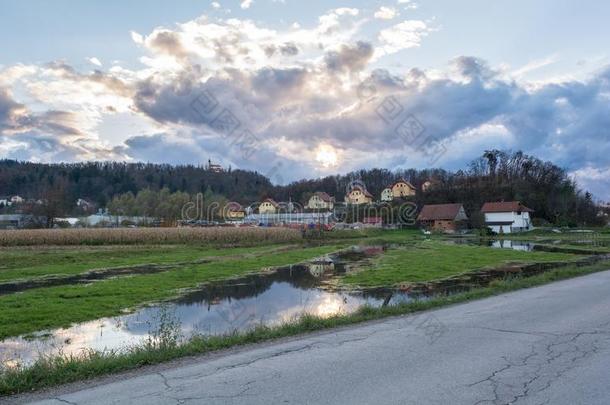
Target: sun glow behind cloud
pixel 327 156
pixel 298 89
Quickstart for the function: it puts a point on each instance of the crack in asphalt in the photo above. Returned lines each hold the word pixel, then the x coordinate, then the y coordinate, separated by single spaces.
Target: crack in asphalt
pixel 65 401
pixel 549 358
pixel 248 385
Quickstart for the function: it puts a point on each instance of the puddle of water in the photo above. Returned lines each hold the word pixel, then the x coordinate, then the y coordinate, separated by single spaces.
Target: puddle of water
pixel 497 244
pixel 269 298
pixel 512 244
pixel 529 246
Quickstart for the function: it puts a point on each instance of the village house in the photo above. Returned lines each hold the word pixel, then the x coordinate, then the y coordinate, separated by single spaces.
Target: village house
pixel 233 211
pixel 402 188
pixel 15 221
pixel 442 217
pixel 17 199
pixel 5 202
pixel 358 195
pixel 321 200
pixel 429 185
pixel 507 217
pixel 387 195
pixel 85 205
pixel 268 206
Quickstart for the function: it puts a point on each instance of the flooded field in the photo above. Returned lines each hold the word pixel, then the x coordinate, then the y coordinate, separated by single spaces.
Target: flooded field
pixel 269 298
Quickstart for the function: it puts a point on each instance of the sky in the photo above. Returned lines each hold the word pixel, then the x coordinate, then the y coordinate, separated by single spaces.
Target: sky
pixel 298 89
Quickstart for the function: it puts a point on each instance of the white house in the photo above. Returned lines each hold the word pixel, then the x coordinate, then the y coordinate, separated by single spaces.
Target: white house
pixel 17 199
pixel 507 217
pixel 5 202
pixel 387 195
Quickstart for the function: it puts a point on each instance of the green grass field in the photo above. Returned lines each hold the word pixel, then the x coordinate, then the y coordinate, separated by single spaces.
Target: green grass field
pixel 59 306
pixel 434 259
pixel 51 307
pixel 28 262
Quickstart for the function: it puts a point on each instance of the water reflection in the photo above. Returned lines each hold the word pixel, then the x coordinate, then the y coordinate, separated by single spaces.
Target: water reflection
pixel 498 244
pixel 268 298
pixel 512 244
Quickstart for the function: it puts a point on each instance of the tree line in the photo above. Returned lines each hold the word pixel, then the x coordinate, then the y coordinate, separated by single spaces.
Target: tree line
pixel 145 189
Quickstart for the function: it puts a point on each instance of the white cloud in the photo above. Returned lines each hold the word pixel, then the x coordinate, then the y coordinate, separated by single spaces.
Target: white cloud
pixel 385 13
pixel 408 4
pixel 404 35
pixel 594 179
pixel 137 38
pixel 95 61
pixel 535 65
pixel 215 4
pixel 245 4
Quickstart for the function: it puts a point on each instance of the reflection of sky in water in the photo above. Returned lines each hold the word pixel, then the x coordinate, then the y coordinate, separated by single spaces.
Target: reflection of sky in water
pixel 262 299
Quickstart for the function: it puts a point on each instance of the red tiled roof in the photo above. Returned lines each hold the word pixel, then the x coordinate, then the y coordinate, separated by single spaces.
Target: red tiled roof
pixel 508 206
pixel 439 212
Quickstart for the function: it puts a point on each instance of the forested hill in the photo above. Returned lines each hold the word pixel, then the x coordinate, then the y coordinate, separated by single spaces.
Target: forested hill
pixel 495 176
pixel 100 181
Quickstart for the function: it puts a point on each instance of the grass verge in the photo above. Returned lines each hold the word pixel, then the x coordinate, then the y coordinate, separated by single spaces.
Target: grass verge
pixel 54 371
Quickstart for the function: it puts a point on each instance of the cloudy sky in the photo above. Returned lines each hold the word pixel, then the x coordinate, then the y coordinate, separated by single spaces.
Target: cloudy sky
pixel 299 89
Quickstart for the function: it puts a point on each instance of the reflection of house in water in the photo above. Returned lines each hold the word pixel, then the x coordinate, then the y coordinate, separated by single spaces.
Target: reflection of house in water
pixel 319 268
pixel 513 244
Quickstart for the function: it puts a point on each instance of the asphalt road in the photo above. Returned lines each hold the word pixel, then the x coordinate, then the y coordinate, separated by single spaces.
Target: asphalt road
pixel 546 345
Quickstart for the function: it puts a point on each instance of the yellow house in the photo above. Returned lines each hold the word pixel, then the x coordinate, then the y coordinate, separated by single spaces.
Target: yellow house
pixel 321 200
pixel 236 215
pixel 359 195
pixel 402 188
pixel 234 212
pixel 268 206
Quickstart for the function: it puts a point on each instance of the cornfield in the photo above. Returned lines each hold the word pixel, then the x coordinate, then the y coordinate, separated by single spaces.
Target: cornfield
pixel 120 236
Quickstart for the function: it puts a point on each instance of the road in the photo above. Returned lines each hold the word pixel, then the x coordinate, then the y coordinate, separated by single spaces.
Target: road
pixel 545 345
